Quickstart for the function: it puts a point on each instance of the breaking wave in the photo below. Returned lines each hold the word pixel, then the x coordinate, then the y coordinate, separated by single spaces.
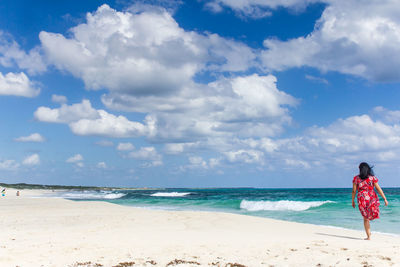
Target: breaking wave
pixel 92 195
pixel 169 194
pixel 284 205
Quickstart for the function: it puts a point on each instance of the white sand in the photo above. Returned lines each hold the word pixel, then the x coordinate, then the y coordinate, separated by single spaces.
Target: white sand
pixel 57 232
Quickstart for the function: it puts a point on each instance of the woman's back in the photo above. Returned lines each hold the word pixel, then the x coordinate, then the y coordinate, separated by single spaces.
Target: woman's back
pixel 366 184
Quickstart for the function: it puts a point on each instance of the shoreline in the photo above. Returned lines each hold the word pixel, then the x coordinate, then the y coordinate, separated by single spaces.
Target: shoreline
pixel 43 193
pixel 59 232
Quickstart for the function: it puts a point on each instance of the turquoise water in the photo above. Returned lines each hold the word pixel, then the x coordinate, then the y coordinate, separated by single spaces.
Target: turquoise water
pixel 330 207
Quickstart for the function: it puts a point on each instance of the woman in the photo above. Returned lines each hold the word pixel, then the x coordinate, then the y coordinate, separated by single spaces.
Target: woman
pixel 368 202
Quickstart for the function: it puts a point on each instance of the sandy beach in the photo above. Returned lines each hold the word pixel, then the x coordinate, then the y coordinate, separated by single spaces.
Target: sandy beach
pixel 41 231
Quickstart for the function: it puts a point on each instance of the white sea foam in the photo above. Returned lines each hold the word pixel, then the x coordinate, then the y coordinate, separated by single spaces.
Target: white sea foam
pixel 92 195
pixel 170 194
pixel 283 205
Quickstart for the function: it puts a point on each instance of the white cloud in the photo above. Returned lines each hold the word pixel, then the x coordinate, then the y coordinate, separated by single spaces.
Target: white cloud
pixel 389 116
pixel 108 125
pixel 248 106
pixel 177 148
pixel 356 133
pixel 299 163
pixel 196 161
pixel 353 37
pixel 124 51
pixel 245 156
pixel 174 148
pixel 17 84
pixel 147 154
pixel 344 142
pixel 147 62
pixel 83 119
pixel 241 106
pixel 35 137
pixel 257 9
pixel 101 165
pixel 9 165
pixel 59 99
pixel 125 147
pixel 67 114
pixel 11 53
pixel 213 162
pixel 74 159
pixel 31 160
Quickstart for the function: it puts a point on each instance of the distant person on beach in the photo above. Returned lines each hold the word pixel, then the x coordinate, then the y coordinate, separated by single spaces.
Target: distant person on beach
pixel 3 192
pixel 368 201
pixel 17 194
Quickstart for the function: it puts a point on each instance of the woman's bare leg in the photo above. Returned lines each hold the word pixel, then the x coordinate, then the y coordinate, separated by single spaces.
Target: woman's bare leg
pixel 367 229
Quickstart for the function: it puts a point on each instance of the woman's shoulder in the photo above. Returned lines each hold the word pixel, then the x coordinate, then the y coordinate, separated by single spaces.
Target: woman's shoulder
pixel 373 178
pixel 355 178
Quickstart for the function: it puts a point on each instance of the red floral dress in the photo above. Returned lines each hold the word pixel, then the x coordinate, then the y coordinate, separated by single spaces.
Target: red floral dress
pixel 368 201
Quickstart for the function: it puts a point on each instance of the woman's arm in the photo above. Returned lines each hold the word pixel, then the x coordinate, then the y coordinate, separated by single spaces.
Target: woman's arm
pixel 379 189
pixel 353 195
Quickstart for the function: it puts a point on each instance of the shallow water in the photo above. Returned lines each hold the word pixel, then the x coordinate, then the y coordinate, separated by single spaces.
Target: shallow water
pixel 330 207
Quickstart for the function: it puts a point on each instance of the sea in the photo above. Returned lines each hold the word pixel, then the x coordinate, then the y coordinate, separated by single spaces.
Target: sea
pixel 329 207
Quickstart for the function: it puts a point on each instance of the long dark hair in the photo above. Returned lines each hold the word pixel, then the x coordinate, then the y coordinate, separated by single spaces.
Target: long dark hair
pixel 365 170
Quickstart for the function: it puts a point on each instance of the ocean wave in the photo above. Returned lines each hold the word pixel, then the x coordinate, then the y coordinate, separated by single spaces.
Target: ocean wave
pixel 92 195
pixel 282 205
pixel 169 194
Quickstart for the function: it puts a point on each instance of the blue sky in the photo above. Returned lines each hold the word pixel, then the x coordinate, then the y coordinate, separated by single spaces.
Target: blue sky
pixel 207 93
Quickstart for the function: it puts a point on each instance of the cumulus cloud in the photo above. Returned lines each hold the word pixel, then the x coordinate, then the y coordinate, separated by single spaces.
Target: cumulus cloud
pixel 17 84
pixel 344 142
pixel 11 54
pixel 83 119
pixel 355 134
pixel 108 125
pixel 148 154
pixel 35 137
pixel 31 160
pixel 9 165
pixel 148 63
pixel 66 113
pixel 74 159
pixel 353 37
pixel 125 147
pixel 388 116
pixel 243 106
pixel 59 99
pixel 124 51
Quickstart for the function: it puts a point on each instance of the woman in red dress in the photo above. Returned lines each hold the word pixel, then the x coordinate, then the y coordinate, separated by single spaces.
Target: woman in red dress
pixel 368 201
